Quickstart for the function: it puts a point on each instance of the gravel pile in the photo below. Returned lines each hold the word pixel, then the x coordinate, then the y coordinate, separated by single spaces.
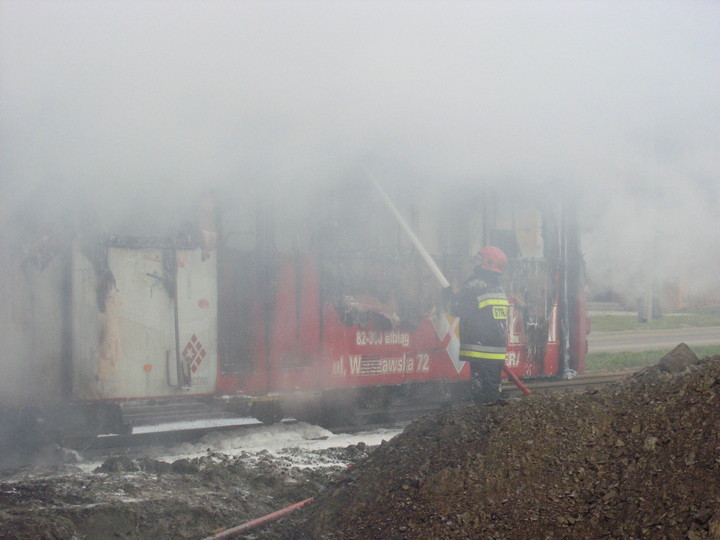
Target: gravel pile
pixel 638 459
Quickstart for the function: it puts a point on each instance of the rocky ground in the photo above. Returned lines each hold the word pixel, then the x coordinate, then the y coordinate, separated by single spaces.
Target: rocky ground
pixel 639 459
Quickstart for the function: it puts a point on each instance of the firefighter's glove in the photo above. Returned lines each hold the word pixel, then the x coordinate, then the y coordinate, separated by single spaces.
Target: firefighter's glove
pixel 447 294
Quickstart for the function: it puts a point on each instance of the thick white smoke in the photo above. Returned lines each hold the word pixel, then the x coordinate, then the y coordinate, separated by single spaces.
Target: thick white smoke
pixel 126 105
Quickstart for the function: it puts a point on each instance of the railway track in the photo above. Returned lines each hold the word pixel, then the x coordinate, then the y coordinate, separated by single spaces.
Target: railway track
pixel 579 383
pixel 107 444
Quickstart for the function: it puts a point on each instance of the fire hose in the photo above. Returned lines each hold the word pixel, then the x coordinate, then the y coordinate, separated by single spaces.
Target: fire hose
pixel 252 524
pixel 514 378
pixel 430 262
pixel 223 534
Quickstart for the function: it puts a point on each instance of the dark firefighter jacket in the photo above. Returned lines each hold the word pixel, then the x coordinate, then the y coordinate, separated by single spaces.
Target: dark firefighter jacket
pixel 482 307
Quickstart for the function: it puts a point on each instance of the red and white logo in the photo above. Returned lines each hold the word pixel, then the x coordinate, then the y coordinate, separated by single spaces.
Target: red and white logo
pixel 194 352
pixel 446 328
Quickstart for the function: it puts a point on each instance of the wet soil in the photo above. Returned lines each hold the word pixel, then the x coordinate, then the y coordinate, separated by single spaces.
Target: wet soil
pixel 638 459
pixel 147 498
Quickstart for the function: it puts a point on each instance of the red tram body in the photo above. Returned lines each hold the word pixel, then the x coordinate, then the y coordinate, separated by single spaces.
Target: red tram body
pixel 344 322
pixel 313 311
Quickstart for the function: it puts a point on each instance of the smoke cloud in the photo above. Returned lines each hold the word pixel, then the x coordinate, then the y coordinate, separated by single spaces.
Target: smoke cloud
pixel 114 104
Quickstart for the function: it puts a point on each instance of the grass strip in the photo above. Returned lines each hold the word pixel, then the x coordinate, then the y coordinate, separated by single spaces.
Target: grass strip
pixel 614 323
pixel 619 361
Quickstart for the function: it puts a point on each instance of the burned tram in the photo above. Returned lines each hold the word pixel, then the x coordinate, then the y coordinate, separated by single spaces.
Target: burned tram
pixel 318 306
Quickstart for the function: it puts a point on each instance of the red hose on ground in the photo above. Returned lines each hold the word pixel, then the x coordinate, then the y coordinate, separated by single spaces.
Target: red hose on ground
pixel 234 531
pixel 525 390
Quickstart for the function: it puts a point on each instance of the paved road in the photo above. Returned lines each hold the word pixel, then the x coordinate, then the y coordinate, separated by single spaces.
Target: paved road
pixel 652 340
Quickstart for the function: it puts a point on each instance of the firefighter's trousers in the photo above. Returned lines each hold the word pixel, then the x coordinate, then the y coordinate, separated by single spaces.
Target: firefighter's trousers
pixel 485 380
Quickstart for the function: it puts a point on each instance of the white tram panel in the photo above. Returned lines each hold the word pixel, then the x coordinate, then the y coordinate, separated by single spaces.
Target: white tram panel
pixel 129 349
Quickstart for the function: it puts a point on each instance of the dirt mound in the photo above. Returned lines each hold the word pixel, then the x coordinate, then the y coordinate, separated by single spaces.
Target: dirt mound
pixel 638 459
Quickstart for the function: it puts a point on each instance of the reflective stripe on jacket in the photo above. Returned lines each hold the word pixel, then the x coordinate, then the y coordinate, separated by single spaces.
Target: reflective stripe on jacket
pixel 482 352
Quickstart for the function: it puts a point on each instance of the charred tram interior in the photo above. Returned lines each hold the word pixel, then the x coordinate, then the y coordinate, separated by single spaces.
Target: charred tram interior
pixel 303 280
pixel 316 307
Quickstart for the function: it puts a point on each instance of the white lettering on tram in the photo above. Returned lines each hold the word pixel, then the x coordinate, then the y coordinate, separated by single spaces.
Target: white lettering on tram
pixel 374 365
pixel 391 337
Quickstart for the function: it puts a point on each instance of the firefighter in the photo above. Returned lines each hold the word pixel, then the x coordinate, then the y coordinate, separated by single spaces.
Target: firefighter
pixel 482 307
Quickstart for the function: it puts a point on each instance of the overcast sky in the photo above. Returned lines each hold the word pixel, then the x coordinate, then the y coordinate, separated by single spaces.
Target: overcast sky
pixel 103 100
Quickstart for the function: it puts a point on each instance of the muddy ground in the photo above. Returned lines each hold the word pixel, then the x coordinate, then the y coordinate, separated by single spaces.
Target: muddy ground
pixel 639 459
pixel 150 499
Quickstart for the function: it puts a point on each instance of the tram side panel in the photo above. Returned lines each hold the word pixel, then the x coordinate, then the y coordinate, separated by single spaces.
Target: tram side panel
pixel 144 324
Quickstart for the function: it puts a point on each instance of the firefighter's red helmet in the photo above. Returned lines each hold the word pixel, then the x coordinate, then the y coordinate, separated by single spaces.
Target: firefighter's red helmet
pixel 491 258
